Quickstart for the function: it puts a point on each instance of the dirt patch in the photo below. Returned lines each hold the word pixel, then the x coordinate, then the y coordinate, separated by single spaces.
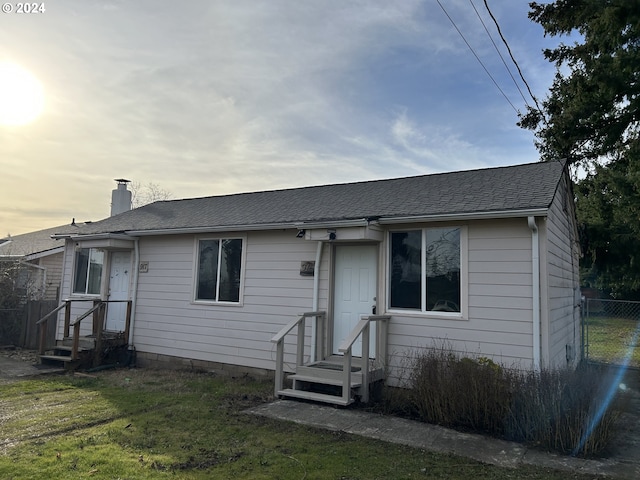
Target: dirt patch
pixel 17 353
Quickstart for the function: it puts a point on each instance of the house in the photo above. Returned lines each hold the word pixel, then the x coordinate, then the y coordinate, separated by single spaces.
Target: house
pixel 40 260
pixel 327 276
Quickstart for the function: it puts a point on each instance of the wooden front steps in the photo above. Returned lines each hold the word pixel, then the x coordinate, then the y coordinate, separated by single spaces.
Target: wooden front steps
pixel 99 348
pixel 60 355
pixel 323 381
pixel 88 356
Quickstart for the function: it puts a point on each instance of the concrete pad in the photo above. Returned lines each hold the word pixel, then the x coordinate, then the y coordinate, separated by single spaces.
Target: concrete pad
pixel 565 462
pixel 442 440
pixel 397 430
pixel 11 368
pixel 481 448
pixel 321 416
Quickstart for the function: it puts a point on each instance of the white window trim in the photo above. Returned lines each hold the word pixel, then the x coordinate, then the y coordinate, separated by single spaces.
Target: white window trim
pixel 75 272
pixel 196 263
pixel 463 314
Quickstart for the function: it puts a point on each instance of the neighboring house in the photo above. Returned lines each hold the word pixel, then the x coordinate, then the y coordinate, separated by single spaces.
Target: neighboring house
pixel 486 259
pixel 40 258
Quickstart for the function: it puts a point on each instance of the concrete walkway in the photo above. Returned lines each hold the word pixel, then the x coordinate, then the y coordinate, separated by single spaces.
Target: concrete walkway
pixel 443 440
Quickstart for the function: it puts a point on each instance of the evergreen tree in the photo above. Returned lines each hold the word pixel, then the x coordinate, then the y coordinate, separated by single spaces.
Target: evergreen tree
pixel 591 117
pixel 592 111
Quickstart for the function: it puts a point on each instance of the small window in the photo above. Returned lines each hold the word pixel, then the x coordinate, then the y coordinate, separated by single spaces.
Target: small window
pixel 424 270
pixel 219 270
pixel 88 273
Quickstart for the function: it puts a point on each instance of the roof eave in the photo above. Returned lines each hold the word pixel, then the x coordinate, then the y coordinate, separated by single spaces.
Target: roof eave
pixel 219 228
pixel 354 222
pixel 358 222
pixel 91 236
pixel 44 253
pixel 445 217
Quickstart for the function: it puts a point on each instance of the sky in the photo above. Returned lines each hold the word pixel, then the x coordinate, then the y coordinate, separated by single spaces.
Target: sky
pixel 211 97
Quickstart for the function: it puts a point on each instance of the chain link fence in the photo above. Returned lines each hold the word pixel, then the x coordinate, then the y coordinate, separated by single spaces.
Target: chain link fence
pixel 610 332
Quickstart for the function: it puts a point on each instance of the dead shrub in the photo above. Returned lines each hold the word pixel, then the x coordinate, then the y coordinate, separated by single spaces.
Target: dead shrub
pixel 564 410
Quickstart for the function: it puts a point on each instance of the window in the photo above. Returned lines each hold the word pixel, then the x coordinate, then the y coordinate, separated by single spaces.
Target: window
pixel 424 270
pixel 219 270
pixel 88 275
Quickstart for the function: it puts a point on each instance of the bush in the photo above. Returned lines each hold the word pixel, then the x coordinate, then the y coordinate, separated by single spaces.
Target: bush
pixel 563 410
pixel 459 392
pixel 567 411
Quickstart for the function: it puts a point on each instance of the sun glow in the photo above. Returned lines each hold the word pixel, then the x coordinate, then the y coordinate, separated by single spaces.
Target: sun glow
pixel 21 95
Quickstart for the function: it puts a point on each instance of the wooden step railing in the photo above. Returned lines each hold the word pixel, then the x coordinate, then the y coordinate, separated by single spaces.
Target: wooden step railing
pixel 97 312
pixel 362 329
pixel 42 325
pixel 279 338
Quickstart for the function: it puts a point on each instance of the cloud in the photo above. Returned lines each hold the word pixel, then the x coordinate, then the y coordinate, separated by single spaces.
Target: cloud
pixel 218 97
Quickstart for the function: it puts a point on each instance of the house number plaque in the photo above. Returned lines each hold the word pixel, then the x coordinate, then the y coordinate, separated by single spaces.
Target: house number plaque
pixel 307 268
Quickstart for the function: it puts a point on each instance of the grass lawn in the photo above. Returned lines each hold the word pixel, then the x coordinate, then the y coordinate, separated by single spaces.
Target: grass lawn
pixel 148 424
pixel 610 340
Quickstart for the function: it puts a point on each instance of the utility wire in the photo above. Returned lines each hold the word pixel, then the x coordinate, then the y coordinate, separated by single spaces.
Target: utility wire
pixel 504 40
pixel 478 58
pixel 499 53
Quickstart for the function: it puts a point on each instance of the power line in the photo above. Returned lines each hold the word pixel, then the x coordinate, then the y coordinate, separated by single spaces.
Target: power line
pixel 499 53
pixel 477 57
pixel 504 40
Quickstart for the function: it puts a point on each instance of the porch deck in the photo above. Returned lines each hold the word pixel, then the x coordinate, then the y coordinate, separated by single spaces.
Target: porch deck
pixel 329 378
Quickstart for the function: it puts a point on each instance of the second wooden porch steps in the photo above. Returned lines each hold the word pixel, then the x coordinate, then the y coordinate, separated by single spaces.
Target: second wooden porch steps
pixel 323 381
pixel 61 354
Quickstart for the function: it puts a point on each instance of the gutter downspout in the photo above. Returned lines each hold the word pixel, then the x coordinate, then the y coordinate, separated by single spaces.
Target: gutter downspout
pixel 316 294
pixel 134 297
pixel 535 269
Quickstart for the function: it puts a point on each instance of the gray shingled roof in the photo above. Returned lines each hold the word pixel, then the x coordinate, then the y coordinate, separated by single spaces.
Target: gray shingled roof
pixel 31 243
pixel 520 187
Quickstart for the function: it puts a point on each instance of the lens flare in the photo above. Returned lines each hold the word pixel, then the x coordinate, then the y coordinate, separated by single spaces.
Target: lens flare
pixel 611 393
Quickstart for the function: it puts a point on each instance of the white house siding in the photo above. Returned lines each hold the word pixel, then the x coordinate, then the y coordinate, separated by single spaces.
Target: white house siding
pixel 53 266
pixel 562 280
pixel 169 322
pixel 499 324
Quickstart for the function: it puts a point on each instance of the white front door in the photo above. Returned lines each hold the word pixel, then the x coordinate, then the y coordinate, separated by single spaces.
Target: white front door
pixel 354 293
pixel 118 290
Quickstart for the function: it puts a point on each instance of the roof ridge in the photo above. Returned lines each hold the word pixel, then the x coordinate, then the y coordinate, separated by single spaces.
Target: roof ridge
pixel 357 182
pixel 512 188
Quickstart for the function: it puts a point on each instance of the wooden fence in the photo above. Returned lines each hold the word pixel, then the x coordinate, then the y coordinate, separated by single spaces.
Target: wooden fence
pixel 18 326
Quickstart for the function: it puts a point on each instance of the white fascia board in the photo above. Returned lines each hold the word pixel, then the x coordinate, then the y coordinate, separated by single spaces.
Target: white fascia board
pixel 45 253
pixel 223 228
pixel 358 222
pixel 101 236
pixel 251 227
pixel 538 212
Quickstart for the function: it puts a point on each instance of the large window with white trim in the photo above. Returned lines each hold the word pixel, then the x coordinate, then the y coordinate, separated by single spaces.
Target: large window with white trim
pixel 425 269
pixel 88 271
pixel 219 274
